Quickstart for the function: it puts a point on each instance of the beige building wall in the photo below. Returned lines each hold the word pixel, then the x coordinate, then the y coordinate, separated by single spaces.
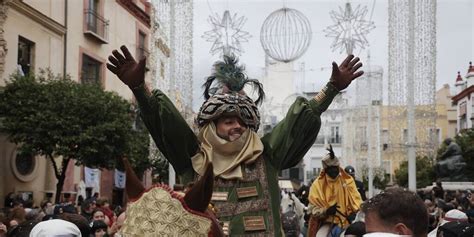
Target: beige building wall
pixel 43 23
pixel 443 97
pixel 51 8
pixel 46 34
pixel 122 30
pixel 37 182
pixel 394 121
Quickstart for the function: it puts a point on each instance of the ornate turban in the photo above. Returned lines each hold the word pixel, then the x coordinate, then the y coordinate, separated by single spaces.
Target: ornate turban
pixel 228 98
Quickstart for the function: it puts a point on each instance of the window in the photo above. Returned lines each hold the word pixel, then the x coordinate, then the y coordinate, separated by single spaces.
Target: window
pixel 462 122
pixel 95 24
pixel 285 174
pixel 319 139
pixel 25 55
pixel 385 138
pixel 361 134
pixel 472 111
pixel 335 135
pixel 141 49
pixel 405 136
pixel 295 173
pixel 25 163
pixel 91 69
pixel 92 16
pixel 23 166
pixel 435 135
pixel 141 45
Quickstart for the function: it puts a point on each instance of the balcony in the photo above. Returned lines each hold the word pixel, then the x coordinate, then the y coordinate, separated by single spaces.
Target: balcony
pixel 96 26
pixel 142 52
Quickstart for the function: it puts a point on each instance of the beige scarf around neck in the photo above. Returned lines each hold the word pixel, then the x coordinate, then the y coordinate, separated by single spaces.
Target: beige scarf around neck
pixel 226 157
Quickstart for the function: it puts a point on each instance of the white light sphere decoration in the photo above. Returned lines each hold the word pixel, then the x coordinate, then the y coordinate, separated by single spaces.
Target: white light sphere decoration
pixel 285 35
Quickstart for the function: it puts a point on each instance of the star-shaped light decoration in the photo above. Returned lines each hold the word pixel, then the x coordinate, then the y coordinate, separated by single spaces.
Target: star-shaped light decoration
pixel 350 28
pixel 227 34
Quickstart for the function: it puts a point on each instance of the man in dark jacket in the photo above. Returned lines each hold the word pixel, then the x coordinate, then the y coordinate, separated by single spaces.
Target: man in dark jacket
pixel 360 185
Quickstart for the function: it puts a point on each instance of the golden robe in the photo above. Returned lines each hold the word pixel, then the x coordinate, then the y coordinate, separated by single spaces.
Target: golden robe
pixel 325 192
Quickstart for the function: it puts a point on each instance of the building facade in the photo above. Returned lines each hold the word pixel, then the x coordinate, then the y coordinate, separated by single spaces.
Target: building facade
pixel 464 101
pixel 444 97
pixel 73 38
pixel 331 132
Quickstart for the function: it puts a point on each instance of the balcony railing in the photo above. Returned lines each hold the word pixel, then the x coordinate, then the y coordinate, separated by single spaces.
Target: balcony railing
pixel 96 25
pixel 142 52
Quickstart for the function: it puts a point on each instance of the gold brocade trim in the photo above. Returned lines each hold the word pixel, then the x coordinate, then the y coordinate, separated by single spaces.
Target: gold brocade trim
pixel 225 228
pixel 158 213
pixel 232 209
pixel 254 172
pixel 254 223
pixel 321 96
pixel 246 192
pixel 219 196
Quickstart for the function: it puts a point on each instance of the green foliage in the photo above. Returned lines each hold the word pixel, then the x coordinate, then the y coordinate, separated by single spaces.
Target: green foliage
pixel 56 117
pixel 381 179
pixel 160 166
pixel 465 139
pixel 138 148
pixel 424 172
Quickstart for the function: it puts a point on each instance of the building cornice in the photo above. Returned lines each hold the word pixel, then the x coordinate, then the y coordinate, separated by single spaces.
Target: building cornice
pixel 136 11
pixel 462 94
pixel 38 17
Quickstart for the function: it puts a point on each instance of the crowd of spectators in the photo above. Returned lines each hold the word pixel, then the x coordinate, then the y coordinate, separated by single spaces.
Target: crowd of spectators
pixel 92 217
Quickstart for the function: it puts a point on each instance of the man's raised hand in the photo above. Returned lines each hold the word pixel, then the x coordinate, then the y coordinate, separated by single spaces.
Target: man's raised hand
pixel 126 68
pixel 343 74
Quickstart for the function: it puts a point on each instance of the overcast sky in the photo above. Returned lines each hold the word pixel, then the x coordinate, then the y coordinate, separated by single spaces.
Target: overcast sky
pixel 455 37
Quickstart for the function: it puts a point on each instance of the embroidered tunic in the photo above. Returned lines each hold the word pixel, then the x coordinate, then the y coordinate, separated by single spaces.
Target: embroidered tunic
pixel 251 206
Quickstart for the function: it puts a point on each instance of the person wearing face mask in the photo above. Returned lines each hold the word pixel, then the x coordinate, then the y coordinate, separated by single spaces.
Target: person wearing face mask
pixel 246 193
pixel 333 198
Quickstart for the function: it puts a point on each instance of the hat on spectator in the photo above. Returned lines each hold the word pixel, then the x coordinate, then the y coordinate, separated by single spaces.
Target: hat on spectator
pixel 55 227
pixel 454 215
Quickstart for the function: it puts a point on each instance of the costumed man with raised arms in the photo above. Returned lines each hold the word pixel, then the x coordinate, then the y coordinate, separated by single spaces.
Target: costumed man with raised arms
pixel 246 193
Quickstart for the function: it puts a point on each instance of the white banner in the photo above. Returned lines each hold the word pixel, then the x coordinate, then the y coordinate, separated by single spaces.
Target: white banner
pixel 81 190
pixel 92 177
pixel 119 179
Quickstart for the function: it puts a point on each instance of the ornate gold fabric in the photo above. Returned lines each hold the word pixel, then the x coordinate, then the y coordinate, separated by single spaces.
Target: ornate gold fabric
pixel 160 212
pixel 325 192
pixel 226 157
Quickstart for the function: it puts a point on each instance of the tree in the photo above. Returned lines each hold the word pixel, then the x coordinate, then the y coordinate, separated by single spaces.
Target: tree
pixel 160 166
pixel 62 120
pixel 380 180
pixel 424 172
